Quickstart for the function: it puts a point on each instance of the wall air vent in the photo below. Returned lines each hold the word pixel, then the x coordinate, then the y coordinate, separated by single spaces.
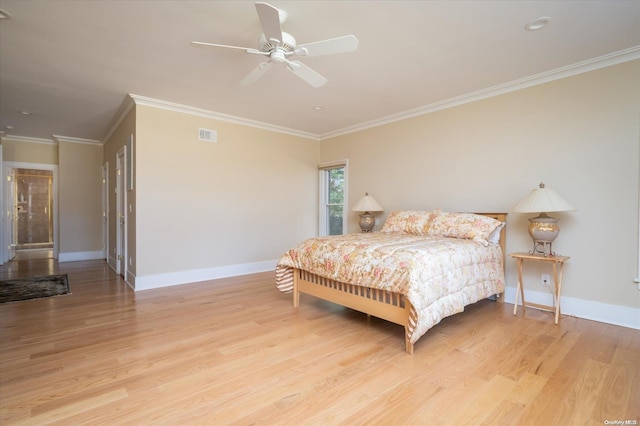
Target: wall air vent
pixel 207 135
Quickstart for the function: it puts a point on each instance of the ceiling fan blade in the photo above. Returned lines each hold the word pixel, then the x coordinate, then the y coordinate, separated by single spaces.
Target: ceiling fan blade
pixel 246 49
pixel 270 21
pixel 257 72
pixel 306 73
pixel 328 47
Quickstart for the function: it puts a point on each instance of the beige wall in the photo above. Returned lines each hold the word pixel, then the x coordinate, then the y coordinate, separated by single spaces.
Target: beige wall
pixel 579 135
pixel 79 194
pixel 29 152
pixel 246 198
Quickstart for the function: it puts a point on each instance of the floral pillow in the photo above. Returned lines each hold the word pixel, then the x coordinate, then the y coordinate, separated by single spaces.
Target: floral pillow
pixel 464 225
pixel 413 222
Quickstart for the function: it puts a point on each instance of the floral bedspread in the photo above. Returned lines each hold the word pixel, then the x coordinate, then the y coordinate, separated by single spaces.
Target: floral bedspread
pixel 438 275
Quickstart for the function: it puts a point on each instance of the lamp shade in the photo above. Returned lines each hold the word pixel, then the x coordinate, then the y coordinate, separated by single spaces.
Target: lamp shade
pixel 367 204
pixel 543 199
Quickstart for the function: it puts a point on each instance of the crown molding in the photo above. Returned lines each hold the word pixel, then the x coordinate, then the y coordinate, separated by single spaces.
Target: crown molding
pixel 70 139
pixel 14 138
pixel 54 141
pixel 604 61
pixel 156 103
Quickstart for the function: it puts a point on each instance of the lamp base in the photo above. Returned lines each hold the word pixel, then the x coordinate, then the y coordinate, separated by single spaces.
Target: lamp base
pixel 367 222
pixel 543 248
pixel 543 230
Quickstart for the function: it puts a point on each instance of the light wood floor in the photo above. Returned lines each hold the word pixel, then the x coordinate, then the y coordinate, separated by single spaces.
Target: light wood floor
pixel 234 351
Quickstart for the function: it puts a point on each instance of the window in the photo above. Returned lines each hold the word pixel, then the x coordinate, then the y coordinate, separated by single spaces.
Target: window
pixel 333 199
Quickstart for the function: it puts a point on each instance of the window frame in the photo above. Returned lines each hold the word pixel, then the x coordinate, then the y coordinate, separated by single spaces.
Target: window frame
pixel 323 187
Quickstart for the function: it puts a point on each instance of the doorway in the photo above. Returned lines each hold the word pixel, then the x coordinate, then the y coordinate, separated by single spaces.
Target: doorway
pixel 30 203
pixel 35 202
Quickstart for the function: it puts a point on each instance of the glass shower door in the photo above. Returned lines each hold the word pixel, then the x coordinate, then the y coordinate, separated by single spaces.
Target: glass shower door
pixel 34 202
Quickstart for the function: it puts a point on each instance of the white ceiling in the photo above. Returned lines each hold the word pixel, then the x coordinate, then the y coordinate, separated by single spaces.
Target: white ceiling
pixel 72 63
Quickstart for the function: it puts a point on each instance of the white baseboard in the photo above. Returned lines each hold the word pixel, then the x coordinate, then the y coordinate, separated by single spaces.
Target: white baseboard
pixel 80 255
pixel 624 316
pixel 148 282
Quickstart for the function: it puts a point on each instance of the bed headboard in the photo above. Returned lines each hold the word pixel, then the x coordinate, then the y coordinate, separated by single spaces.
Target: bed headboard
pixel 502 217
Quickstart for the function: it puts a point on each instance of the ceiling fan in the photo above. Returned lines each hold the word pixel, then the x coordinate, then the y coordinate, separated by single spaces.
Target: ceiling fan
pixel 279 46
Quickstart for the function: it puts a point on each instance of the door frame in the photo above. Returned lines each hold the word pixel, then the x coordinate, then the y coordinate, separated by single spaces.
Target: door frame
pixel 121 217
pixel 7 167
pixel 105 210
pixel 3 212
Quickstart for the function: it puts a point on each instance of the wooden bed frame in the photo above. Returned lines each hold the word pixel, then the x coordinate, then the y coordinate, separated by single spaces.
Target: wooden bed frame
pixel 390 306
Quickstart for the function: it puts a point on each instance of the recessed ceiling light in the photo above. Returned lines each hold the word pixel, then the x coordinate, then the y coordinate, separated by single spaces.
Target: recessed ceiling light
pixel 25 112
pixel 5 15
pixel 8 127
pixel 318 107
pixel 538 23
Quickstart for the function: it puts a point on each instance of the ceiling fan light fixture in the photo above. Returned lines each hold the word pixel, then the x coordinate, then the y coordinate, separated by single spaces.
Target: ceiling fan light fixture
pixel 538 23
pixel 278 56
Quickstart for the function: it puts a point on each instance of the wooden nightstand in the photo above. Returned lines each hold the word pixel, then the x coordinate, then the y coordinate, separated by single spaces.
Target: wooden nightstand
pixel 557 278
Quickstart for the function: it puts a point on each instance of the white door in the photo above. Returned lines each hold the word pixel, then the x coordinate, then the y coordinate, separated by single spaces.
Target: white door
pixel 105 211
pixel 121 202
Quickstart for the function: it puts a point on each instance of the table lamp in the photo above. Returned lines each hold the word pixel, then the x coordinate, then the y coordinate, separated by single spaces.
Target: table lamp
pixel 543 228
pixel 367 204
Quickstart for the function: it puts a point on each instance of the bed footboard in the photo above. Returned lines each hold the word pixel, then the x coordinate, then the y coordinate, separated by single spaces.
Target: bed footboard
pixel 393 307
